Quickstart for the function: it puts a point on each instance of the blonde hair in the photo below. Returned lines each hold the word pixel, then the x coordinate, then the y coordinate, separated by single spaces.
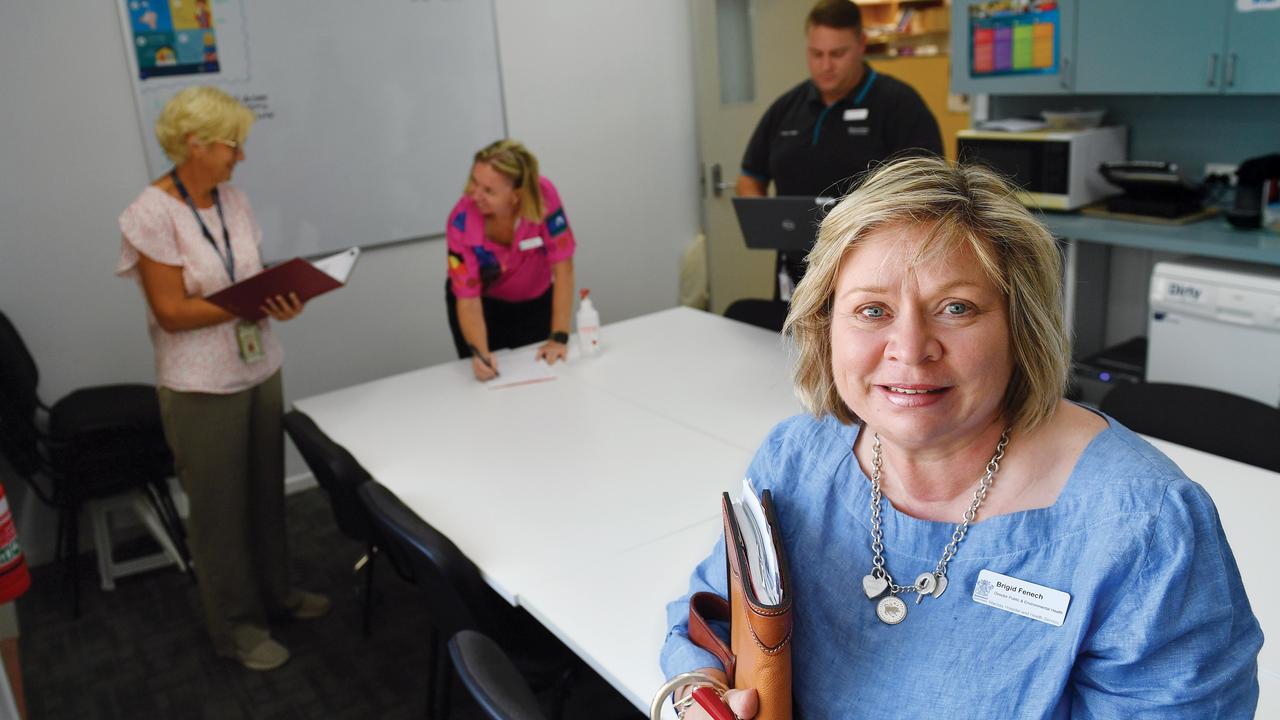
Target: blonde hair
pixel 965 206
pixel 518 165
pixel 206 112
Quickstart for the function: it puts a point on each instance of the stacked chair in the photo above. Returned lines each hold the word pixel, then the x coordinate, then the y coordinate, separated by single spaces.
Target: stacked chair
pixel 96 444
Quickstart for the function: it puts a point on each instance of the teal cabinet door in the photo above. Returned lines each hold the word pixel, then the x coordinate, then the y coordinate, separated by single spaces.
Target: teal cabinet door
pixel 1252 63
pixel 1026 53
pixel 1151 46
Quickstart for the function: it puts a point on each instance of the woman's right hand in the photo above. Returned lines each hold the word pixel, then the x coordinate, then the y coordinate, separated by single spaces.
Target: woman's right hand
pixel 744 704
pixel 484 371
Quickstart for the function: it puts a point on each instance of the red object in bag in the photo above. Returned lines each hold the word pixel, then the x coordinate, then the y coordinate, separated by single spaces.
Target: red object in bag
pixel 14 576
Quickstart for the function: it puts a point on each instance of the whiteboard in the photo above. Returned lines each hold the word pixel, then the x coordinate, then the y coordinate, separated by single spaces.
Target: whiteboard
pixel 368 112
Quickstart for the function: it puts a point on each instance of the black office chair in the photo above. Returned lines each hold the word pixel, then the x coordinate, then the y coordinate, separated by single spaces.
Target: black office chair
pixel 458 599
pixel 94 443
pixel 1210 420
pixel 492 679
pixel 767 314
pixel 339 474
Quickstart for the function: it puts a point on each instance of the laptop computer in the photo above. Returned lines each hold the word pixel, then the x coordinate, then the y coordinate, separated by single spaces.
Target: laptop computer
pixel 787 223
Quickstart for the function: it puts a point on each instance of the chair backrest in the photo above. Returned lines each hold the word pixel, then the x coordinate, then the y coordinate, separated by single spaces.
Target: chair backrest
pixel 1216 422
pixel 336 471
pixel 457 596
pixel 767 314
pixel 18 401
pixel 492 679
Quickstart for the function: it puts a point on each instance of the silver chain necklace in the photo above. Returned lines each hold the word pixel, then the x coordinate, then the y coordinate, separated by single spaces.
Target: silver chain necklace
pixel 891 609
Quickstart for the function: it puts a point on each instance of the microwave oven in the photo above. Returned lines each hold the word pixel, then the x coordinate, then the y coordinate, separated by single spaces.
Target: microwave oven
pixel 1053 169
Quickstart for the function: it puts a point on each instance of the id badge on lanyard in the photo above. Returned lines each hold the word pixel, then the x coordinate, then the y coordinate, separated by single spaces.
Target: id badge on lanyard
pixel 249 337
pixel 248 334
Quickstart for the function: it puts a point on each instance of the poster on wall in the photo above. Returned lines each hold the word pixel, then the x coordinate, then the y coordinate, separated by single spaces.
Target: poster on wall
pixel 173 37
pixel 367 114
pixel 1013 38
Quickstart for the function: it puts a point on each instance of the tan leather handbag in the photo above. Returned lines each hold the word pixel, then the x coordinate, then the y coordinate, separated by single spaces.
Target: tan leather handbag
pixel 759 654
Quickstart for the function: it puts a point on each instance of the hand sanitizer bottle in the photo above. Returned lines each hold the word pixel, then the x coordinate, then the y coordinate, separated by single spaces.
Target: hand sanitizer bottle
pixel 588 325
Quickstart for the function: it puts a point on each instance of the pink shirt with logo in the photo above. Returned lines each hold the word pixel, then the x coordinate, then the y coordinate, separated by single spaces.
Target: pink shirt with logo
pixel 164 229
pixel 516 272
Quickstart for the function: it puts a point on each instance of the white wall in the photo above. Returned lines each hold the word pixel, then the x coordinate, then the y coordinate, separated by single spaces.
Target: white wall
pixel 602 92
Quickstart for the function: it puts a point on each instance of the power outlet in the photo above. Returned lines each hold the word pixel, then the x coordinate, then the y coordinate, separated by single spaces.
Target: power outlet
pixel 1227 169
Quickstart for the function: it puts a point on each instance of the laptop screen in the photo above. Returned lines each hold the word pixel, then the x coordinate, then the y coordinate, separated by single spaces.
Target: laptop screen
pixel 786 223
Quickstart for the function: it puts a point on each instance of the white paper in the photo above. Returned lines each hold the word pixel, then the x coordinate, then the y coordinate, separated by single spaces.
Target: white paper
pixel 1256 5
pixel 757 536
pixel 1013 125
pixel 338 266
pixel 520 367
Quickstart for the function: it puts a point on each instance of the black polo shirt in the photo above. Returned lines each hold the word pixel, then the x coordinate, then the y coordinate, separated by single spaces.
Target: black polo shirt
pixel 809 148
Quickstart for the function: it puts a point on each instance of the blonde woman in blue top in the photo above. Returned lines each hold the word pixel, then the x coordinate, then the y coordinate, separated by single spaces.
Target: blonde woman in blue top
pixel 962 541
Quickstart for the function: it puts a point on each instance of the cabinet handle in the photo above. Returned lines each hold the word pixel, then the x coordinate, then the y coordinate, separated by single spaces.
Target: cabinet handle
pixel 1213 69
pixel 1064 78
pixel 1229 72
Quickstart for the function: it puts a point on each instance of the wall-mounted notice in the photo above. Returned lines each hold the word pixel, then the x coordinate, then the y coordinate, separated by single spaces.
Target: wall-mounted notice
pixel 1011 38
pixel 368 113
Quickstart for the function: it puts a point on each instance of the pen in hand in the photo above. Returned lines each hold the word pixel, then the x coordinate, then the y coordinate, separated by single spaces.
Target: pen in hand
pixel 484 360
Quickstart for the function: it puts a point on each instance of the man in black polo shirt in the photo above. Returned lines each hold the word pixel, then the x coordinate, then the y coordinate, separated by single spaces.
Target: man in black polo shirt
pixel 821 134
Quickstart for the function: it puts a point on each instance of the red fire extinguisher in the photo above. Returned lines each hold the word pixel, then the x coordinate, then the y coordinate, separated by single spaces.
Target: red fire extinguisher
pixel 14 576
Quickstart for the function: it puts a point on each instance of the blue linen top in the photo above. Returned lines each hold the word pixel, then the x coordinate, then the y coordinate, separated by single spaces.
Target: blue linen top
pixel 1158 623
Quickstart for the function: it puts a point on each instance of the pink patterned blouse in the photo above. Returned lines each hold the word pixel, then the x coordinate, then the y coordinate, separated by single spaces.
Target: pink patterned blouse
pixel 163 228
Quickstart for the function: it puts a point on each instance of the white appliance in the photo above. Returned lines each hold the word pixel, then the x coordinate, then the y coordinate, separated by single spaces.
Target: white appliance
pixel 1053 169
pixel 1216 324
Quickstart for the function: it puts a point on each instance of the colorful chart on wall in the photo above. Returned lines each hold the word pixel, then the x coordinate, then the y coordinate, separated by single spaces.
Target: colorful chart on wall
pixel 1009 38
pixel 173 37
pixel 368 113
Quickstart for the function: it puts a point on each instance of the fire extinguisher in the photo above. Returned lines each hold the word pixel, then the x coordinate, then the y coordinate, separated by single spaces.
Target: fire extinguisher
pixel 14 576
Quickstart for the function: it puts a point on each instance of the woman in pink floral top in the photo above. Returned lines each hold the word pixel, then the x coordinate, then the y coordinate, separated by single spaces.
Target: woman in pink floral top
pixel 187 235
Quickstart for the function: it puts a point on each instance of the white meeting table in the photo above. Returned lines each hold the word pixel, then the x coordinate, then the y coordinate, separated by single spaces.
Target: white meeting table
pixel 587 500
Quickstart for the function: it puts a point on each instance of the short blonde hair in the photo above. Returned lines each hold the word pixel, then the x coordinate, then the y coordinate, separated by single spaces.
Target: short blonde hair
pixel 520 166
pixel 965 206
pixel 206 112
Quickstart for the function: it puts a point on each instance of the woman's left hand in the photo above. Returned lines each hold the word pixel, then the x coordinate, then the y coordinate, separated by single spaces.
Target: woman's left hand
pixel 283 308
pixel 551 351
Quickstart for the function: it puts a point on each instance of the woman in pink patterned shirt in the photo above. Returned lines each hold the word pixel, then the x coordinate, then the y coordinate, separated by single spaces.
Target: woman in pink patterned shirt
pixel 189 234
pixel 510 260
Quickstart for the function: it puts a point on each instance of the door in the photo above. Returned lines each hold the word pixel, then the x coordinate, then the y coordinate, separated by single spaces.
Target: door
pixel 773 32
pixel 1150 46
pixel 1252 60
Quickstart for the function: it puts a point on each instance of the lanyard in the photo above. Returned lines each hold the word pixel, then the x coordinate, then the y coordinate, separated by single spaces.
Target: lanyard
pixel 228 262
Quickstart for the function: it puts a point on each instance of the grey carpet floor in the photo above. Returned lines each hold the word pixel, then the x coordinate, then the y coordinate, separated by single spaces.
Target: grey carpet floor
pixel 140 651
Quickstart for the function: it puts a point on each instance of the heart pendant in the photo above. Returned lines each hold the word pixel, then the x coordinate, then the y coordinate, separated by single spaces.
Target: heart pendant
pixel 874 586
pixel 942 585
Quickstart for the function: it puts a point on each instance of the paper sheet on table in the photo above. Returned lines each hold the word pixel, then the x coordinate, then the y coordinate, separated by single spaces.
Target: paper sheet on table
pixel 520 367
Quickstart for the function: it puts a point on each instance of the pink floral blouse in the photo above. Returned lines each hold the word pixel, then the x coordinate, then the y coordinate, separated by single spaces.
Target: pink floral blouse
pixel 163 228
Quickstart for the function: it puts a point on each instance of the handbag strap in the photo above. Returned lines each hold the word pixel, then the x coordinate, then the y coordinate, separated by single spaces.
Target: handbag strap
pixel 705 607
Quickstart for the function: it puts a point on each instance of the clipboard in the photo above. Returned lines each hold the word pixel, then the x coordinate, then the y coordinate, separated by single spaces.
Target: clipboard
pixel 308 279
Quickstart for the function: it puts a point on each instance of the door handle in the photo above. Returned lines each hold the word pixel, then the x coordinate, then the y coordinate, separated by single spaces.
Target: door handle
pixel 1229 72
pixel 718 185
pixel 1213 69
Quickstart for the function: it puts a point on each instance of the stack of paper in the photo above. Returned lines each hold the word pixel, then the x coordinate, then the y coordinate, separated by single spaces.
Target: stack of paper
pixel 757 535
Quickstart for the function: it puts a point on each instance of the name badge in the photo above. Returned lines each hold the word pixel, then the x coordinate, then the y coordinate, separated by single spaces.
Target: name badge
pixel 856 114
pixel 531 243
pixel 1021 598
pixel 249 338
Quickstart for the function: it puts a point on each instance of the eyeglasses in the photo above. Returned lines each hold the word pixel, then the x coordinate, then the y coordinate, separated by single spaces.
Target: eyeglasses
pixel 229 143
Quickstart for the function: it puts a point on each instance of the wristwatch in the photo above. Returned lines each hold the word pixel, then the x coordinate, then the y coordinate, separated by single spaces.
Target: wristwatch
pixel 560 336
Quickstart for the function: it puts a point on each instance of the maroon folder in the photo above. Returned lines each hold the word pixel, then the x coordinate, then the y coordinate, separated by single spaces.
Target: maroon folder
pixel 246 298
